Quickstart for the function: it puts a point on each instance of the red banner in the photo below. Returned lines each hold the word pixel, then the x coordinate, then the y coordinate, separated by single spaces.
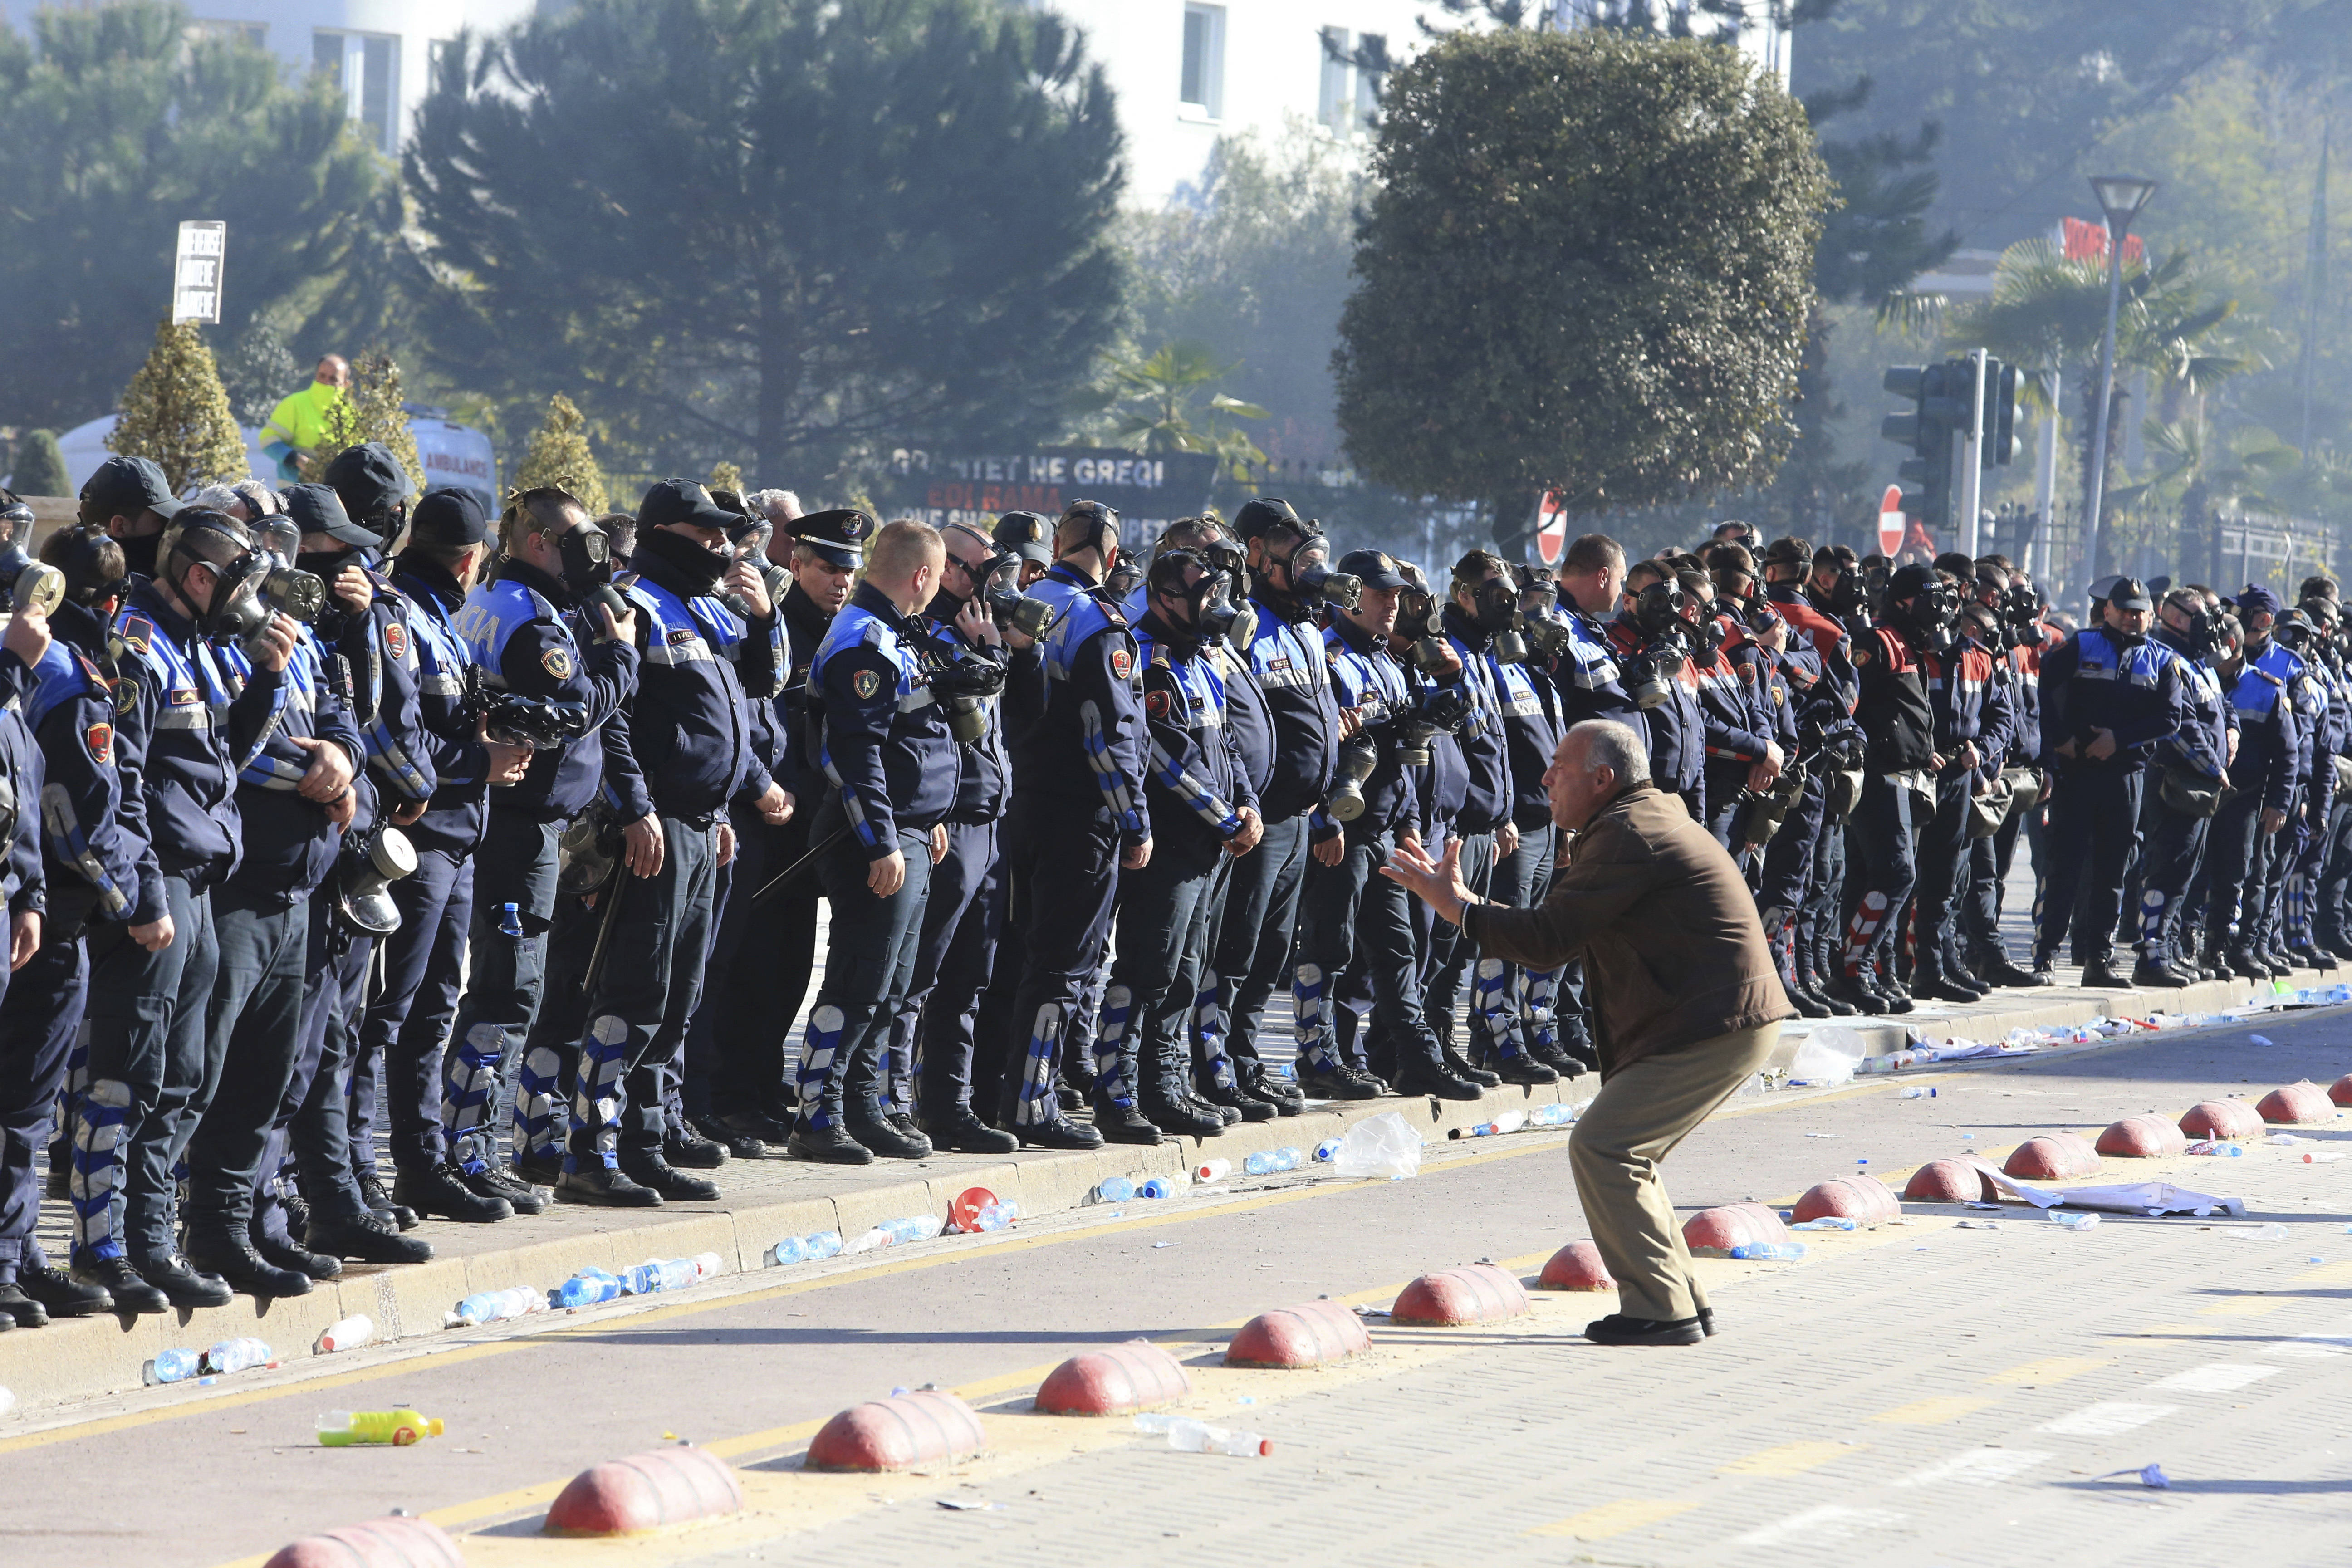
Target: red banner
pixel 2088 242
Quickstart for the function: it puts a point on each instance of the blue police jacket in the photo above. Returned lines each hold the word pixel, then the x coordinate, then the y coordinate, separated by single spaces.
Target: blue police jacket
pixel 984 773
pixel 26 878
pixel 2093 682
pixel 1286 660
pixel 1247 717
pixel 1531 732
pixel 1482 748
pixel 528 636
pixel 182 732
pixel 459 812
pixel 2268 731
pixel 290 843
pixel 804 626
pixel 683 744
pixel 379 651
pixel 1677 732
pixel 880 736
pixel 2203 740
pixel 2321 724
pixel 1364 677
pixel 1197 786
pixel 1442 788
pixel 2021 669
pixel 1075 706
pixel 94 867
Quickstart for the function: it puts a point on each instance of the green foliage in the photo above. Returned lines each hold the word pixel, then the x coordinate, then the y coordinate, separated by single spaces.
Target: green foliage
pixel 257 370
pixel 560 456
pixel 789 227
pixel 114 126
pixel 1166 405
pixel 176 412
pixel 1586 269
pixel 40 465
pixel 371 411
pixel 724 475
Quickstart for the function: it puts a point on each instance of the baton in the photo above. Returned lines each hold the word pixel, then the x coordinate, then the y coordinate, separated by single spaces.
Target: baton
pixel 614 887
pixel 775 884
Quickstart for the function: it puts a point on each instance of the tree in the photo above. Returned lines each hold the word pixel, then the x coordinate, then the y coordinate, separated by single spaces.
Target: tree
pixel 257 370
pixel 40 465
pixel 176 412
pixel 1163 407
pixel 559 456
pixel 725 476
pixel 115 124
pixel 373 410
pixel 1586 270
pixel 787 227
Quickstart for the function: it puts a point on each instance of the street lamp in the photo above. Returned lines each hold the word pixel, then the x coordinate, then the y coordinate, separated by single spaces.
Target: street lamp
pixel 2120 198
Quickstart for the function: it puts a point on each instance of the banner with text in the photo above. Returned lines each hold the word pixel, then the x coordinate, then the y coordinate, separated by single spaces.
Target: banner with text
pixel 1147 492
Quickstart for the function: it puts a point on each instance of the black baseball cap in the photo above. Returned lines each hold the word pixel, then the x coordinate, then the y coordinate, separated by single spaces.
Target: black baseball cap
pixel 317 508
pixel 1909 582
pixel 682 501
pixel 449 516
pixel 1026 535
pixel 1267 514
pixel 126 486
pixel 837 535
pixel 369 479
pixel 1377 568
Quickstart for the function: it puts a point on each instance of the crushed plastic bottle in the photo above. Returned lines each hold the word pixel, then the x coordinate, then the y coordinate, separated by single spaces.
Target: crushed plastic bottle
pixel 1916 1091
pixel 2074 1221
pixel 657 1274
pixel 1193 1436
pixel 171 1366
pixel 1829 1222
pixel 588 1288
pixel 1212 1170
pixel 1162 1187
pixel 1553 1115
pixel 345 1335
pixel 1327 1151
pixel 1116 1189
pixel 710 1266
pixel 2215 1148
pixel 1261 1164
pixel 997 1216
pixel 825 1244
pixel 236 1355
pixel 2321 1158
pixel 1288 1159
pixel 355 1428
pixel 874 1239
pixel 495 1306
pixel 788 1250
pixel 1769 1251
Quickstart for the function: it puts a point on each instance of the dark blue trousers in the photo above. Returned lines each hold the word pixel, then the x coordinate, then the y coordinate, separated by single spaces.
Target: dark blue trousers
pixel 1253 947
pixel 869 961
pixel 40 1014
pixel 952 955
pixel 761 962
pixel 506 962
pixel 255 1024
pixel 1064 874
pixel 408 1021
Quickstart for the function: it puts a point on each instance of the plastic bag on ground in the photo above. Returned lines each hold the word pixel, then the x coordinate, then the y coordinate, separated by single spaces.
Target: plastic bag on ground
pixel 1826 1055
pixel 1383 1146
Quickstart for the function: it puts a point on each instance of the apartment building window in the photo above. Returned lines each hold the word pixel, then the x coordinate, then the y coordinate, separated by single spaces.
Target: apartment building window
pixel 1203 82
pixel 1335 104
pixel 366 66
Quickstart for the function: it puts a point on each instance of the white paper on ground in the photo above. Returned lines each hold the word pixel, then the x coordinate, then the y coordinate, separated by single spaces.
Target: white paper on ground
pixel 2149 1198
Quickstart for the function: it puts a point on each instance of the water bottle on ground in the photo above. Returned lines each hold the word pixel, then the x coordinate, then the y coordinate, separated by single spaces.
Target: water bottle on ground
pixel 2074 1221
pixel 1916 1091
pixel 1769 1251
pixel 1261 1164
pixel 1212 1170
pixel 825 1244
pixel 1553 1115
pixel 345 1335
pixel 171 1366
pixel 1192 1437
pixel 709 1266
pixel 1327 1151
pixel 2216 1149
pixel 1114 1190
pixel 1160 1187
pixel 236 1355
pixel 997 1216
pixel 790 1249
pixel 1288 1159
pixel 1828 1222
pixel 353 1428
pixel 587 1288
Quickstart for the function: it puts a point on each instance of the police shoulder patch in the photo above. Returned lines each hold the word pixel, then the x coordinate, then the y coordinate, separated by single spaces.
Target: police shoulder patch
pixel 138 632
pixel 1159 704
pixel 865 683
pixel 1122 662
pixel 99 738
pixel 557 662
pixel 1862 653
pixel 126 695
pixel 396 638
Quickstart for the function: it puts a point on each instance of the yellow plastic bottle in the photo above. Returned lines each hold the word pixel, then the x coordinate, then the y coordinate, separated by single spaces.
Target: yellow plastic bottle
pixel 346 1429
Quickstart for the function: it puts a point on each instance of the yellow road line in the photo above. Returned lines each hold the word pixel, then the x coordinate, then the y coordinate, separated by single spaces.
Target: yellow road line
pixel 2042 1374
pixel 1613 1518
pixel 1933 1412
pixel 1789 1458
pixel 2250 1308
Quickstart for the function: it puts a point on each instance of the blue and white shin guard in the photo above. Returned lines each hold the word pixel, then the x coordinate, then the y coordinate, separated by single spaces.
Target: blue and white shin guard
pixel 1491 1015
pixel 469 1091
pixel 1035 1106
pixel 97 1174
pixel 1311 1003
pixel 1114 1052
pixel 819 1075
pixel 604 1057
pixel 1210 1029
pixel 2152 907
pixel 540 1124
pixel 1538 1006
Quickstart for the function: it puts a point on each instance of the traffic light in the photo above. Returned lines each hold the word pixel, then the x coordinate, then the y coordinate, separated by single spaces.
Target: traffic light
pixel 1941 394
pixel 2001 443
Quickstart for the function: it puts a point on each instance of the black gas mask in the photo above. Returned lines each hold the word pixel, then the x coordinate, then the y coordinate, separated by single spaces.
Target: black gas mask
pixel 1494 610
pixel 1208 600
pixel 1313 582
pixel 1926 617
pixel 1660 616
pixel 1418 623
pixel 586 551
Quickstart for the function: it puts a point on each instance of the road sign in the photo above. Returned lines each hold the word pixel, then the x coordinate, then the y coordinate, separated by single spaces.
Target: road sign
pixel 1890 521
pixel 196 272
pixel 1551 528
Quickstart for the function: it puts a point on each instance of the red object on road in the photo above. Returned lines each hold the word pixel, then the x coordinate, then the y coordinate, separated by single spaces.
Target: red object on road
pixel 2297 1104
pixel 1120 1381
pixel 2054 1156
pixel 1477 1293
pixel 895 1433
pixel 394 1542
pixel 1576 1267
pixel 1950 1181
pixel 1713 1232
pixel 2221 1119
pixel 1862 1199
pixel 2340 1092
pixel 645 1492
pixel 2142 1138
pixel 964 1213
pixel 1292 1337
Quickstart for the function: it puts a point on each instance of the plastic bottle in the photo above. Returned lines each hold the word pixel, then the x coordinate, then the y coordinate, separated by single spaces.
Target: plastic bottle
pixel 1916 1091
pixel 790 1249
pixel 1510 1122
pixel 1327 1151
pixel 1160 1187
pixel 878 1237
pixel 1116 1190
pixel 587 1288
pixel 236 1355
pixel 1553 1115
pixel 346 1335
pixel 825 1244
pixel 2215 1148
pixel 709 1266
pixel 171 1366
pixel 1769 1251
pixel 1828 1222
pixel 351 1428
pixel 1260 1163
pixel 2074 1221
pixel 1217 1170
pixel 1199 1437
pixel 509 920
pixel 494 1306
pixel 997 1216
pixel 918 1228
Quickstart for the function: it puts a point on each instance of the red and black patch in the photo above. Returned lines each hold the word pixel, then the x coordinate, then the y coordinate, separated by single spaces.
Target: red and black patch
pixel 681 637
pixel 395 640
pixel 99 738
pixel 185 697
pixel 557 662
pixel 1122 663
pixel 1159 704
pixel 865 683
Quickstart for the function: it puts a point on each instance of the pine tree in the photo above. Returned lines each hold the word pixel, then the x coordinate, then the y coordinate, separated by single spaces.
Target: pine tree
pixel 724 475
pixel 40 465
pixel 176 412
pixel 371 411
pixel 559 454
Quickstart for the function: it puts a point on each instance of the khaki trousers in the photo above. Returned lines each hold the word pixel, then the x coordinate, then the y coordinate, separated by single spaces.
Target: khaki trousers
pixel 1632 1125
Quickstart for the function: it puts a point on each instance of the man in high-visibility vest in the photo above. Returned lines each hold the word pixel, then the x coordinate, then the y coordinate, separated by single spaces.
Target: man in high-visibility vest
pixel 299 421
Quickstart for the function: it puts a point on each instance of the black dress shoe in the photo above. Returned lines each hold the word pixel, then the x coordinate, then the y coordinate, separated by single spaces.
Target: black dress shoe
pixel 1336 1083
pixel 1807 1004
pixel 2100 975
pixel 689 1150
pixel 964 1133
pixel 378 1196
pixel 1061 1132
pixel 1858 993
pixel 886 1139
pixel 1459 1066
pixel 601 1185
pixel 1257 1078
pixel 366 1238
pixel 2007 973
pixel 830 1145
pixel 1617 1329
pixel 1930 983
pixel 1432 1079
pixel 2154 974
pixel 62 1295
pixel 127 1291
pixel 1233 1097
pixel 240 1267
pixel 1524 1071
pixel 20 1310
pixel 1126 1124
pixel 185 1287
pixel 301 1259
pixel 432 1190
pixel 1184 1118
pixel 494 1181
pixel 650 1170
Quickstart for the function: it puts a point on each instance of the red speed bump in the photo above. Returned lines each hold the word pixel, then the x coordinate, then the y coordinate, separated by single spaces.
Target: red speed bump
pixel 645 1492
pixel 395 1542
pixel 1120 1381
pixel 1713 1232
pixel 1293 1337
pixel 1477 1293
pixel 2340 1092
pixel 2052 1157
pixel 895 1433
pixel 2221 1119
pixel 1949 1182
pixel 2142 1138
pixel 2296 1104
pixel 1576 1267
pixel 1862 1199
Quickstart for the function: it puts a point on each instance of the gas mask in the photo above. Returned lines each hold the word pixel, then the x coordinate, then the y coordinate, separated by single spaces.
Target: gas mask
pixel 1313 582
pixel 1927 617
pixel 1417 622
pixel 1209 607
pixel 1496 612
pixel 238 611
pixel 586 551
pixel 1230 559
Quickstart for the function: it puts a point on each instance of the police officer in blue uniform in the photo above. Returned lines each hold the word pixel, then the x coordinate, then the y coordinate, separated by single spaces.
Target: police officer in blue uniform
pixel 183 733
pixel 1898 724
pixel 2108 696
pixel 881 737
pixel 1655 634
pixel 1080 749
pixel 530 632
pixel 2261 684
pixel 295 798
pixel 2193 770
pixel 675 757
pixel 90 870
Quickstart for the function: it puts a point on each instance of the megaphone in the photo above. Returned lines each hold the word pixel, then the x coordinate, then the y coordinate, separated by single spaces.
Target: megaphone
pixel 362 904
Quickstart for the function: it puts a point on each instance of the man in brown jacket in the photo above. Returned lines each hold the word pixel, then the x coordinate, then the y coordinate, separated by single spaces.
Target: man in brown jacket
pixel 1686 1004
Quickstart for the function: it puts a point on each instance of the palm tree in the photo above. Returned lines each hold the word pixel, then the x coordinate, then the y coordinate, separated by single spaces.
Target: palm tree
pixel 1161 398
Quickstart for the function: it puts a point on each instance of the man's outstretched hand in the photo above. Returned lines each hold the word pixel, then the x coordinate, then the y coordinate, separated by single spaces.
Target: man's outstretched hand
pixel 1438 883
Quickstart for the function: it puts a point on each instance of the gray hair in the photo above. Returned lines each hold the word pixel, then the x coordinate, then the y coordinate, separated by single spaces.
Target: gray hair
pixel 766 503
pixel 218 497
pixel 1615 746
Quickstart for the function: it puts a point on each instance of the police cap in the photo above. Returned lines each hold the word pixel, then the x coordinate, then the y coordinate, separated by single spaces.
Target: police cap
pixel 834 535
pixel 1377 568
pixel 1909 582
pixel 1267 514
pixel 126 486
pixel 2131 593
pixel 317 508
pixel 1026 535
pixel 2257 597
pixel 449 516
pixel 369 479
pixel 672 501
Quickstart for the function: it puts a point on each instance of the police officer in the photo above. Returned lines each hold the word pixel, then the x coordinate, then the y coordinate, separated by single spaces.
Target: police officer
pixel 2191 773
pixel 182 734
pixel 532 634
pixel 2255 678
pixel 1656 631
pixel 128 498
pixel 1079 750
pixel 89 870
pixel 762 958
pixel 1898 726
pixel 2310 632
pixel 1972 728
pixel 295 798
pixel 882 739
pixel 2108 696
